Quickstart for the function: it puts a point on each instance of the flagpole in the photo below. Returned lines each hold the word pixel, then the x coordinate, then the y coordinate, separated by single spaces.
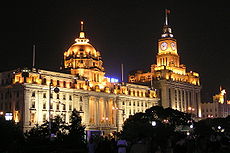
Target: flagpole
pixel 33 56
pixel 166 17
pixel 122 73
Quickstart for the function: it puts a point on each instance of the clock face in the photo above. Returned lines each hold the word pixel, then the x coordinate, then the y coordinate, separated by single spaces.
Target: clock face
pixel 164 46
pixel 173 46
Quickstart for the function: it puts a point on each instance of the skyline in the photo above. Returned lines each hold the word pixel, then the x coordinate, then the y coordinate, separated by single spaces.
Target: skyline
pixel 125 33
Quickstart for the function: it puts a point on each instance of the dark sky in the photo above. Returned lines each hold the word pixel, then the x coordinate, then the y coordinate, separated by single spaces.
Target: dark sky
pixel 124 32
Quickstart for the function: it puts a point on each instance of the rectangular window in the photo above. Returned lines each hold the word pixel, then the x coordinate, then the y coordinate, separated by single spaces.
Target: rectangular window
pixel 57 96
pixel 33 104
pixel 81 99
pixel 33 94
pixel 32 117
pixel 70 106
pixel 44 105
pixel 70 97
pixel 51 106
pixel 44 95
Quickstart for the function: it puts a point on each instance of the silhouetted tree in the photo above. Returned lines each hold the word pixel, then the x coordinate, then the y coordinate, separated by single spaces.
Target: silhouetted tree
pixel 11 136
pixel 76 130
pixel 41 134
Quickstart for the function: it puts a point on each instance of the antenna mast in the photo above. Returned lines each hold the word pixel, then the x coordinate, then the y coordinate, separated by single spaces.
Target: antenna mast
pixel 33 56
pixel 122 73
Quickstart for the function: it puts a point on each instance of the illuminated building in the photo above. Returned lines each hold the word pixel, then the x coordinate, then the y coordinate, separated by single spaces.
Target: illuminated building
pixel 103 105
pixel 219 107
pixel 177 88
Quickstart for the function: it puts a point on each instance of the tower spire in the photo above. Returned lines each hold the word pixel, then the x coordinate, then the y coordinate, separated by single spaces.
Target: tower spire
pixel 167 31
pixel 82 38
pixel 82 33
pixel 82 26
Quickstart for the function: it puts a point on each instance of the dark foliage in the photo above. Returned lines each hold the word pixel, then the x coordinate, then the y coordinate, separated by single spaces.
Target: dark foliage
pixel 76 130
pixel 11 136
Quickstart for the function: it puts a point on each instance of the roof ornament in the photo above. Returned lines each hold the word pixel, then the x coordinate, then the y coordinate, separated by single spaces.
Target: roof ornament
pixel 167 31
pixel 82 39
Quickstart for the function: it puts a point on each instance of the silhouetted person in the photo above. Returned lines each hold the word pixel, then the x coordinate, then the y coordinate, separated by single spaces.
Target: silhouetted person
pixel 91 146
pixel 122 144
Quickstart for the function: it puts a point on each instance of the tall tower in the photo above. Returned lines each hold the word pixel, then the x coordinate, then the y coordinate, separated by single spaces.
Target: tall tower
pixel 167 46
pixel 83 59
pixel 177 88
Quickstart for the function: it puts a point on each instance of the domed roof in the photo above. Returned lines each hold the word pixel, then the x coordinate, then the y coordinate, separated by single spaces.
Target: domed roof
pixel 85 48
pixel 82 55
pixel 82 46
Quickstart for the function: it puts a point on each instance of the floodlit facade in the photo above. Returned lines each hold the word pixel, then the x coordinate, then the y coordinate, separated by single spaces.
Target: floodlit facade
pixel 30 97
pixel 219 107
pixel 177 88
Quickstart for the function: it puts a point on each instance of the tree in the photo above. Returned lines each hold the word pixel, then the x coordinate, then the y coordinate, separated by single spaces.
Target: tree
pixel 41 134
pixel 76 130
pixel 162 132
pixel 137 126
pixel 11 136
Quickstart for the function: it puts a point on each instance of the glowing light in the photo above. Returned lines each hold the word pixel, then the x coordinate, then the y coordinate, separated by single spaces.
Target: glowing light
pixel 112 80
pixel 154 123
pixel 188 133
pixel 8 116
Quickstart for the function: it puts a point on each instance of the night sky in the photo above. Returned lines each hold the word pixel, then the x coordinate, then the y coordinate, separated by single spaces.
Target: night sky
pixel 124 32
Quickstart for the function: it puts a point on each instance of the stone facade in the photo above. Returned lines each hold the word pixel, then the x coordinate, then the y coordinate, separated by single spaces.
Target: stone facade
pixel 29 94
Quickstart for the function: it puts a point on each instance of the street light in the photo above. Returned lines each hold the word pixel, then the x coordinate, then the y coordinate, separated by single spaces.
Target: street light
pixel 154 123
pixel 56 90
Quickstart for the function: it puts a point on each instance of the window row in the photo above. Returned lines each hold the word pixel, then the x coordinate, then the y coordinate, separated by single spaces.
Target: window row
pixel 133 103
pixel 45 95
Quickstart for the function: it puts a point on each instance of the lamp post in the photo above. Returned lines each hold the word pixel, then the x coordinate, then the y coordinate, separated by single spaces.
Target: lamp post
pixel 56 90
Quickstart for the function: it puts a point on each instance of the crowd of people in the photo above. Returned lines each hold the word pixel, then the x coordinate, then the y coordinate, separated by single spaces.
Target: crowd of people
pixel 177 144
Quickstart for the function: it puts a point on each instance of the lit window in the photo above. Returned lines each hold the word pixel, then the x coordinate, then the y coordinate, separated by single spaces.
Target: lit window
pixel 32 117
pixel 70 107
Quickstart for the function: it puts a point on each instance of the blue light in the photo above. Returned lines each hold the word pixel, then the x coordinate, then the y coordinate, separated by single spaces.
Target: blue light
pixel 113 80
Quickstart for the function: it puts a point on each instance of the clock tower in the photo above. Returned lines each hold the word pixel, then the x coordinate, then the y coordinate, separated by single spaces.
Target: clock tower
pixel 167 47
pixel 177 88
